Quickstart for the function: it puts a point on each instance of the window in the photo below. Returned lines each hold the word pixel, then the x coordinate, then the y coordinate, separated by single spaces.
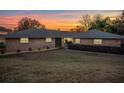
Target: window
pixel 24 40
pixel 97 41
pixel 77 41
pixel 48 39
pixel 68 40
pixel 2 40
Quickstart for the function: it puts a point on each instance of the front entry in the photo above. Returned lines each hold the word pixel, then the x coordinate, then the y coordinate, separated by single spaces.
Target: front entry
pixel 58 42
pixel 68 40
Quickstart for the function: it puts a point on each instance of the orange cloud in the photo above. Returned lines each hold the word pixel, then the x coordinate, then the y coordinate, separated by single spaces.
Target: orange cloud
pixel 63 21
pixel 49 20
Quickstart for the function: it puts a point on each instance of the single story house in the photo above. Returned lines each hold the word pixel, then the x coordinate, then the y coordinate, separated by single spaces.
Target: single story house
pixel 35 39
pixel 38 38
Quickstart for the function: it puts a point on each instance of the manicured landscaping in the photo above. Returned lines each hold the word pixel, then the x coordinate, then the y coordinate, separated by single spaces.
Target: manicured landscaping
pixel 62 66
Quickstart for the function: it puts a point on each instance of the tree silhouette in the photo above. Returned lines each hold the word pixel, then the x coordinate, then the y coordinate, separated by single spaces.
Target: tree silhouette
pixel 98 22
pixel 120 29
pixel 28 23
pixel 101 23
pixel 85 22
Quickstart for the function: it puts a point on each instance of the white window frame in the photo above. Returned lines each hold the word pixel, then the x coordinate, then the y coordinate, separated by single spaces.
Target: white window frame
pixel 48 40
pixel 97 41
pixel 24 40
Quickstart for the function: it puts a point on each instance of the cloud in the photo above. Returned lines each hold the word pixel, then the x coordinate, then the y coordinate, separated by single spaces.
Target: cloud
pixel 50 22
pixel 63 20
pixel 24 12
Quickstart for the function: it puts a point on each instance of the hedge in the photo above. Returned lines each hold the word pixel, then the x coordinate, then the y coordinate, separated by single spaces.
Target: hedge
pixel 2 45
pixel 96 48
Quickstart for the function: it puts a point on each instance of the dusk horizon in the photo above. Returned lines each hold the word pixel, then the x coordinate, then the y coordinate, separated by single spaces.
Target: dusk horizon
pixel 52 19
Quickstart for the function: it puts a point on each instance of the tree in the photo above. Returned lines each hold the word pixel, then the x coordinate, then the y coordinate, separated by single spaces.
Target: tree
pixel 27 23
pixel 85 22
pixel 122 17
pixel 101 23
pixel 72 30
pixel 77 29
pixel 98 22
pixel 59 29
pixel 120 29
pixel 105 24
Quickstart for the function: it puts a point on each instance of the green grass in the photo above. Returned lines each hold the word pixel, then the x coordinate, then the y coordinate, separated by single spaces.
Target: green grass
pixel 62 66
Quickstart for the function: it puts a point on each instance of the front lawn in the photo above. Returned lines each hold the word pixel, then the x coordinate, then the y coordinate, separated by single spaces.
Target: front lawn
pixel 62 66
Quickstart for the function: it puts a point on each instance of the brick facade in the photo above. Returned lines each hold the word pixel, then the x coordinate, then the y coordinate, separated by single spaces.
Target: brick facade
pixel 34 44
pixel 105 42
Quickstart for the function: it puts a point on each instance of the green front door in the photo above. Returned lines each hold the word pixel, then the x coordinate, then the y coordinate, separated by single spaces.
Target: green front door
pixel 58 42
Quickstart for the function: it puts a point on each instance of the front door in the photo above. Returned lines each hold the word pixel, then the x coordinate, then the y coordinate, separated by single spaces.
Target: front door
pixel 58 42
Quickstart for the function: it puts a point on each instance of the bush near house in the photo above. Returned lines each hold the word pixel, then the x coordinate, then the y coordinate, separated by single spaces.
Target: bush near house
pixel 30 49
pixel 97 48
pixel 2 47
pixel 18 50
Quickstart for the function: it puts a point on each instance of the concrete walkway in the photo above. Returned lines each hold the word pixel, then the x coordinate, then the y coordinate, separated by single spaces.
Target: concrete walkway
pixel 33 51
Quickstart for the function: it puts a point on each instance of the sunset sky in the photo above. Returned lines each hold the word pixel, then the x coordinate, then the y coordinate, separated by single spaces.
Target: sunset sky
pixel 52 19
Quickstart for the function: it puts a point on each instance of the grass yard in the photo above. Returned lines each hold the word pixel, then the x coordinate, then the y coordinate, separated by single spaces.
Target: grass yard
pixel 62 66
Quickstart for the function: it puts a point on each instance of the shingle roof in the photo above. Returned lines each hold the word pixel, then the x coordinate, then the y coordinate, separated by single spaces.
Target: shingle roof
pixel 99 34
pixel 2 36
pixel 38 33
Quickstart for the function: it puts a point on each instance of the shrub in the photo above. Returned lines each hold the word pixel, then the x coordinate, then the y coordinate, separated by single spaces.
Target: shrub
pixel 2 51
pixel 30 49
pixel 96 48
pixel 39 49
pixel 18 50
pixel 70 42
pixel 47 47
pixel 2 45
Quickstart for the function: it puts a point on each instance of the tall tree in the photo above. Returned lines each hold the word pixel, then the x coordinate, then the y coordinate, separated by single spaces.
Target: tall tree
pixel 85 22
pixel 98 22
pixel 120 29
pixel 27 23
pixel 105 23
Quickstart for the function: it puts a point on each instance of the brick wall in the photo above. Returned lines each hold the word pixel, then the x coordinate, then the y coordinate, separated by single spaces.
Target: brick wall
pixel 105 42
pixel 14 44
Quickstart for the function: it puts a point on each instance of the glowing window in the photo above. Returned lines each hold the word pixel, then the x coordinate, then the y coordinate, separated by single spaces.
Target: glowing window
pixel 48 39
pixel 2 40
pixel 68 39
pixel 97 41
pixel 24 40
pixel 77 41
